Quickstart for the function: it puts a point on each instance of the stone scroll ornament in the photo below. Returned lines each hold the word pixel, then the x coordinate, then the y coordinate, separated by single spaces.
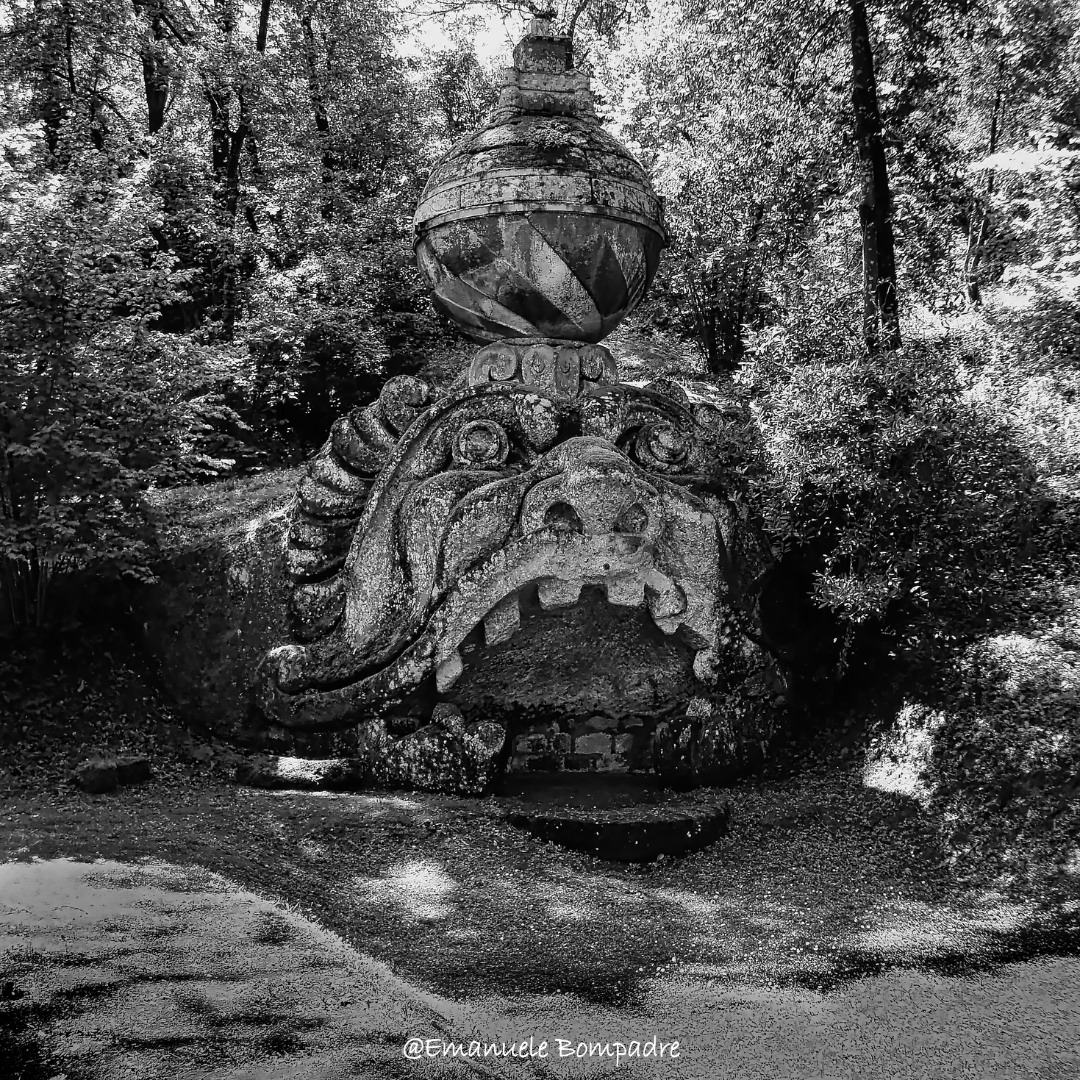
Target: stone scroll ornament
pixel 424 516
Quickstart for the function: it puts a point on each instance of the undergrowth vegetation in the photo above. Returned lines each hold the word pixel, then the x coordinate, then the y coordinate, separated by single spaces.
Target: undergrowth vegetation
pixel 988 736
pixel 911 496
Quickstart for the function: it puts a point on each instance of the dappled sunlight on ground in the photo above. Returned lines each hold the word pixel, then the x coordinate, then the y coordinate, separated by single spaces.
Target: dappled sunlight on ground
pixel 153 970
pixel 911 933
pixel 420 889
pixel 563 901
pixel 691 903
pixel 312 850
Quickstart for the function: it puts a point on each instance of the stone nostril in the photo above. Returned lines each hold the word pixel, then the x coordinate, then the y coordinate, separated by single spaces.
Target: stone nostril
pixel 562 516
pixel 634 519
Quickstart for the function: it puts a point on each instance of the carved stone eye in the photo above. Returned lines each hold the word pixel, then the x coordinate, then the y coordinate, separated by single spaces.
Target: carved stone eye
pixel 481 444
pixel 662 447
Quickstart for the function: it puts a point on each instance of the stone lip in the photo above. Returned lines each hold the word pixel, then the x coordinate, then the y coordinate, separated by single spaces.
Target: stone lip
pixel 609 559
pixel 620 818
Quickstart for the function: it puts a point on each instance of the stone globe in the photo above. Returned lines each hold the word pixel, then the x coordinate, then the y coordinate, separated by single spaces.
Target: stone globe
pixel 540 224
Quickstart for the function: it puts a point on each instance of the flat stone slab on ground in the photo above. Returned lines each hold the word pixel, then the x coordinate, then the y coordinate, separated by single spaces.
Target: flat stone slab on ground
pixel 622 818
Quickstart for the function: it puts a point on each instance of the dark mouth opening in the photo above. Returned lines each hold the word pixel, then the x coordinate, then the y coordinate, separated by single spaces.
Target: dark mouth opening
pixel 578 688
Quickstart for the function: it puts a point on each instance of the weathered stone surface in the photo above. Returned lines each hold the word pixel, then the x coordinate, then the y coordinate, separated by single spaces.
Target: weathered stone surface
pixel 596 723
pixel 615 515
pixel 625 819
pixel 221 599
pixel 433 759
pixel 597 743
pixel 539 546
pixel 448 716
pixel 568 663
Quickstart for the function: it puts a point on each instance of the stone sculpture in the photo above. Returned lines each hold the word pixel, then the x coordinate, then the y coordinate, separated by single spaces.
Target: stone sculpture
pixel 426 516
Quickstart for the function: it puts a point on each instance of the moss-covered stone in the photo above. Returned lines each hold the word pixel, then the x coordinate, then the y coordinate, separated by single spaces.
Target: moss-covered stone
pixel 220 598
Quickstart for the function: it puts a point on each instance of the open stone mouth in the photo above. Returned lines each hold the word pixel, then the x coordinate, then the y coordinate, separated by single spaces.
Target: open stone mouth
pixel 440 551
pixel 623 565
pixel 678 583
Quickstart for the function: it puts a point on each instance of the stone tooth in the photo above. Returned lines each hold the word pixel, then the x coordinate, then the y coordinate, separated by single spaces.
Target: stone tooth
pixel 670 624
pixel 556 593
pixel 502 621
pixel 699 707
pixel 705 664
pixel 448 672
pixel 626 590
pixel 665 599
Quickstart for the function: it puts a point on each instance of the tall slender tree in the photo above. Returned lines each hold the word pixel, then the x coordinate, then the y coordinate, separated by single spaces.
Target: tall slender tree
pixel 881 309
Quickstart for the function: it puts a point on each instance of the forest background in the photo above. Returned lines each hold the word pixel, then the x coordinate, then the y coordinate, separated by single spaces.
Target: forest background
pixel 205 258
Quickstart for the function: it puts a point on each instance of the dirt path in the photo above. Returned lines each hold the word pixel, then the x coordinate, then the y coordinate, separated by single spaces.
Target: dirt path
pixel 155 971
pixel 823 938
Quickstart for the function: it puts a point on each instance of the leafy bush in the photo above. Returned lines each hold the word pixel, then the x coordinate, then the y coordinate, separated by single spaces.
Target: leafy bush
pixel 906 496
pixel 95 404
pixel 325 333
pixel 997 759
pixel 1031 378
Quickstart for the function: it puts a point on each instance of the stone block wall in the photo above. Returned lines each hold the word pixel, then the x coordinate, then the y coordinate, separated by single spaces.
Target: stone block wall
pixel 595 744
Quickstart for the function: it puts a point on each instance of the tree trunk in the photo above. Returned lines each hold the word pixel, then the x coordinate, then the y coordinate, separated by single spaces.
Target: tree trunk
pixel 322 119
pixel 703 310
pixel 979 234
pixel 232 159
pixel 219 133
pixel 54 91
pixel 264 25
pixel 155 71
pixel 881 317
pixel 226 154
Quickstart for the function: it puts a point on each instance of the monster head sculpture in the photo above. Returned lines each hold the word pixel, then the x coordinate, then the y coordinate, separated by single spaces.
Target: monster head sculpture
pixel 425 517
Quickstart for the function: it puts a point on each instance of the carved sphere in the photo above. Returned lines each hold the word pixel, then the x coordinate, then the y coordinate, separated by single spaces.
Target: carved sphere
pixel 540 224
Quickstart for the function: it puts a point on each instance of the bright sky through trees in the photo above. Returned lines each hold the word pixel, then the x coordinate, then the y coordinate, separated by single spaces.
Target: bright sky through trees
pixel 493 32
